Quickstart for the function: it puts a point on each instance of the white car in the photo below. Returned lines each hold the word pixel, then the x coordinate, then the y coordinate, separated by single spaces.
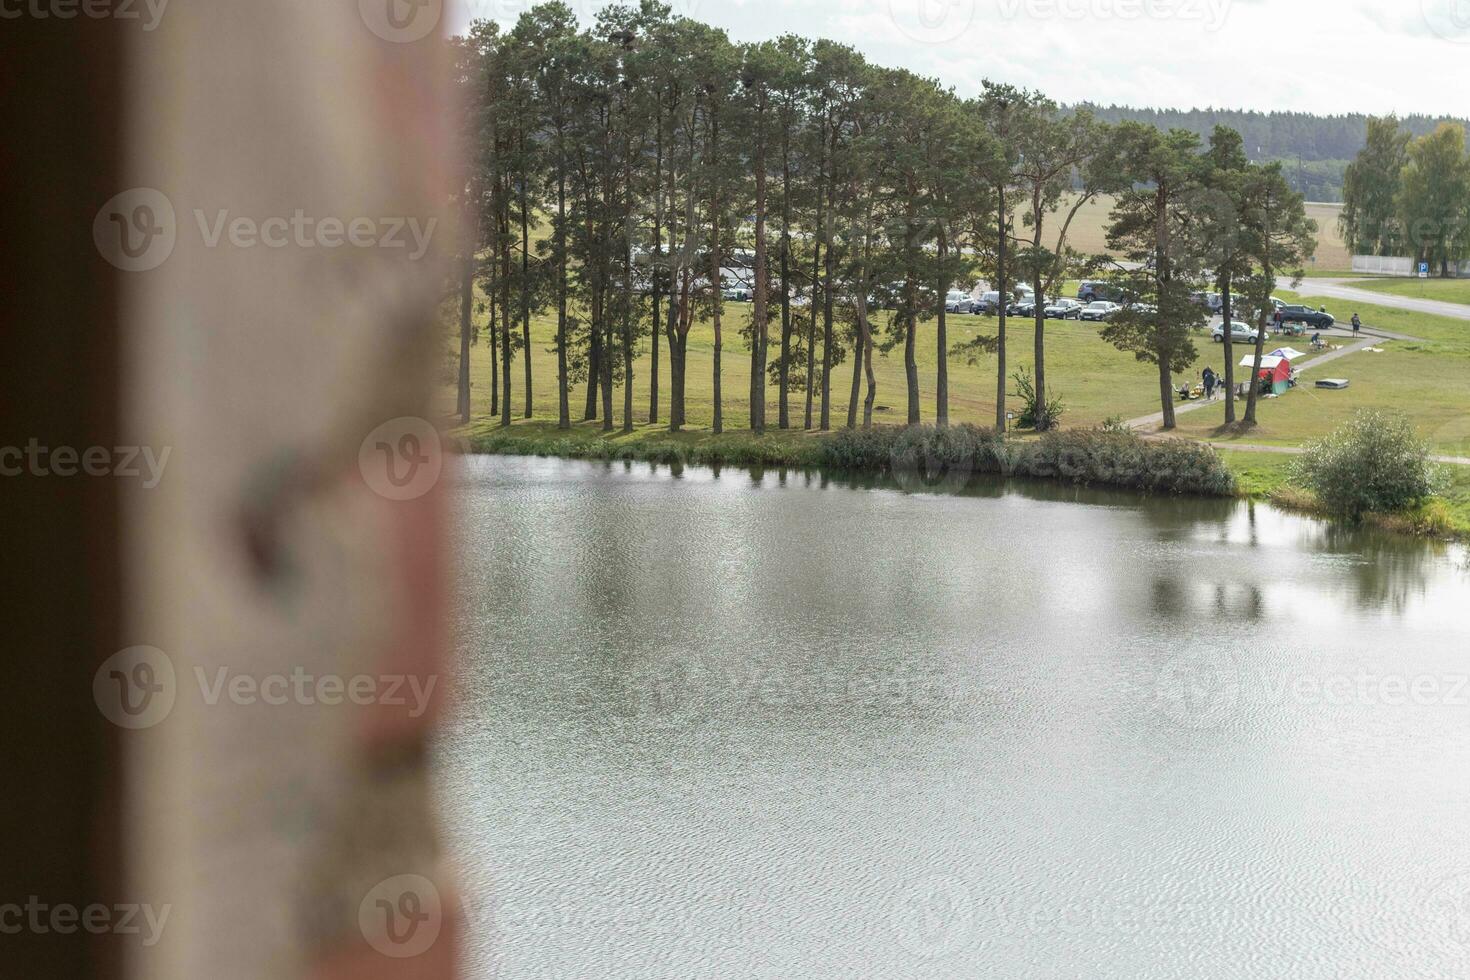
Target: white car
pixel 958 301
pixel 1239 333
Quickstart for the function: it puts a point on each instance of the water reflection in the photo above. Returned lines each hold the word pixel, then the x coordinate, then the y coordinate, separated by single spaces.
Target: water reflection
pixel 764 726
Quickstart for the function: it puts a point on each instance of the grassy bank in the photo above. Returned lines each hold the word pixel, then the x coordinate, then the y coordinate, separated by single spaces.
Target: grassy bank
pixel 1078 456
pixel 1267 476
pixel 1255 475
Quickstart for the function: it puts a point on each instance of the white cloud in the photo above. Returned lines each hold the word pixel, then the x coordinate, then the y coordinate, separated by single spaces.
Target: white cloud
pixel 1324 56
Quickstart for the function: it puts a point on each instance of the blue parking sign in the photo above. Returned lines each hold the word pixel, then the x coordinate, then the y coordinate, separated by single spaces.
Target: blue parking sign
pixel 1423 270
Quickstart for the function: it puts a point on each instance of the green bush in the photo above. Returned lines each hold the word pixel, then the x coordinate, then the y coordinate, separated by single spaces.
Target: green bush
pixel 1373 464
pixel 950 456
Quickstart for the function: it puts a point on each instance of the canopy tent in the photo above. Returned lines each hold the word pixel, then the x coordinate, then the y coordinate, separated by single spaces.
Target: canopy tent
pixel 1290 353
pixel 1274 368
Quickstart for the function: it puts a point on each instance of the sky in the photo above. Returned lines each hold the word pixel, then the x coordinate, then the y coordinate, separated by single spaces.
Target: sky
pixel 1320 56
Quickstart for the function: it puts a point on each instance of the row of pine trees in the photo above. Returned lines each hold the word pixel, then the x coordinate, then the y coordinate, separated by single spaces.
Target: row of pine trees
pixel 618 175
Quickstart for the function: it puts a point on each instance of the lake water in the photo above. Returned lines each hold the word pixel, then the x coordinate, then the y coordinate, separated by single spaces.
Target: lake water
pixel 771 725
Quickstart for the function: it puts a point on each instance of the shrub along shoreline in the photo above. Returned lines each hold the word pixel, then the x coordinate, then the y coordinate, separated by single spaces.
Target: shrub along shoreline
pixel 926 455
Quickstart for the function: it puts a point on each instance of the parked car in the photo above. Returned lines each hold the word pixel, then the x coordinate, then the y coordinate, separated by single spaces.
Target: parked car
pixel 1092 290
pixel 1023 307
pixel 1240 333
pixel 989 304
pixel 1307 316
pixel 1210 301
pixel 736 294
pixel 1064 309
pixel 1100 310
pixel 958 301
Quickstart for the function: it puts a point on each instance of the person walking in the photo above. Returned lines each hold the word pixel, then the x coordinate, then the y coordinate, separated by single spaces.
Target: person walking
pixel 1357 325
pixel 1210 379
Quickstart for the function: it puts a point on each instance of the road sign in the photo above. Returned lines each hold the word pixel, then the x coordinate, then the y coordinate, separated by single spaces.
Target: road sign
pixel 1423 270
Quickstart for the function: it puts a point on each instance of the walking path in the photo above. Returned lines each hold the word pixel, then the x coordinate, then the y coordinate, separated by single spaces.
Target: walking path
pixel 1339 289
pixel 1157 418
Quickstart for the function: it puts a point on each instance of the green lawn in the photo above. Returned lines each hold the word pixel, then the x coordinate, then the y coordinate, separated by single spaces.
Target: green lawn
pixel 1429 380
pixel 1094 379
pixel 1444 290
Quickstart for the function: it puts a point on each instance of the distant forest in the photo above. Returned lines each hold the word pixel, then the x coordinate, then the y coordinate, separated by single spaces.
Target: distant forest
pixel 1314 149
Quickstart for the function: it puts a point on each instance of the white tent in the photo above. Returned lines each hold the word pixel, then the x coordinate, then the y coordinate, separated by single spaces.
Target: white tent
pixel 1290 353
pixel 1268 363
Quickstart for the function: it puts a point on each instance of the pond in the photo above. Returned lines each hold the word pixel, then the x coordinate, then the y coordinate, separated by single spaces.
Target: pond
pixel 777 725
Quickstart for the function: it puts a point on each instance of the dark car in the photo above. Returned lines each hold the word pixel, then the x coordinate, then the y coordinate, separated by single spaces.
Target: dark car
pixel 1025 307
pixel 1307 316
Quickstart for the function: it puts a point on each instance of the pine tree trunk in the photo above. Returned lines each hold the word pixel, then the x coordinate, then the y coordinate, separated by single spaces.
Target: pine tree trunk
pixel 526 292
pixel 761 314
pixel 563 412
pixel 941 382
pixel 1166 391
pixel 466 324
pixel 1227 311
pixel 1002 293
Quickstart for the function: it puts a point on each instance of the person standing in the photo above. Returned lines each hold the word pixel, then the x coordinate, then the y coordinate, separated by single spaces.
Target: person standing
pixel 1357 325
pixel 1210 379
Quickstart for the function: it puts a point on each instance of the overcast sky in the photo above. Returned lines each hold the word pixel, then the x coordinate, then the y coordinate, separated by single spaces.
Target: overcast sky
pixel 1324 56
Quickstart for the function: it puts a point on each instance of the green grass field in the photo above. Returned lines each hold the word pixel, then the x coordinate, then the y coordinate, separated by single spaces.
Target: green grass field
pixel 1444 290
pixel 1094 379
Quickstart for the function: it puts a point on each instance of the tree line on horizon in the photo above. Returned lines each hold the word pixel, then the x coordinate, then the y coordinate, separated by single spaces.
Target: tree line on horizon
pixel 853 197
pixel 1408 195
pixel 1314 150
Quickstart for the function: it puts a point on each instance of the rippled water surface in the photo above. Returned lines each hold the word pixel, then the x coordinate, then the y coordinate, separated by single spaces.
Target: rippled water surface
pixel 767 725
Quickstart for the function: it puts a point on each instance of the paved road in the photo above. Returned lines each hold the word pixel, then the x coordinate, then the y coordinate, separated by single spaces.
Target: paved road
pixel 1338 289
